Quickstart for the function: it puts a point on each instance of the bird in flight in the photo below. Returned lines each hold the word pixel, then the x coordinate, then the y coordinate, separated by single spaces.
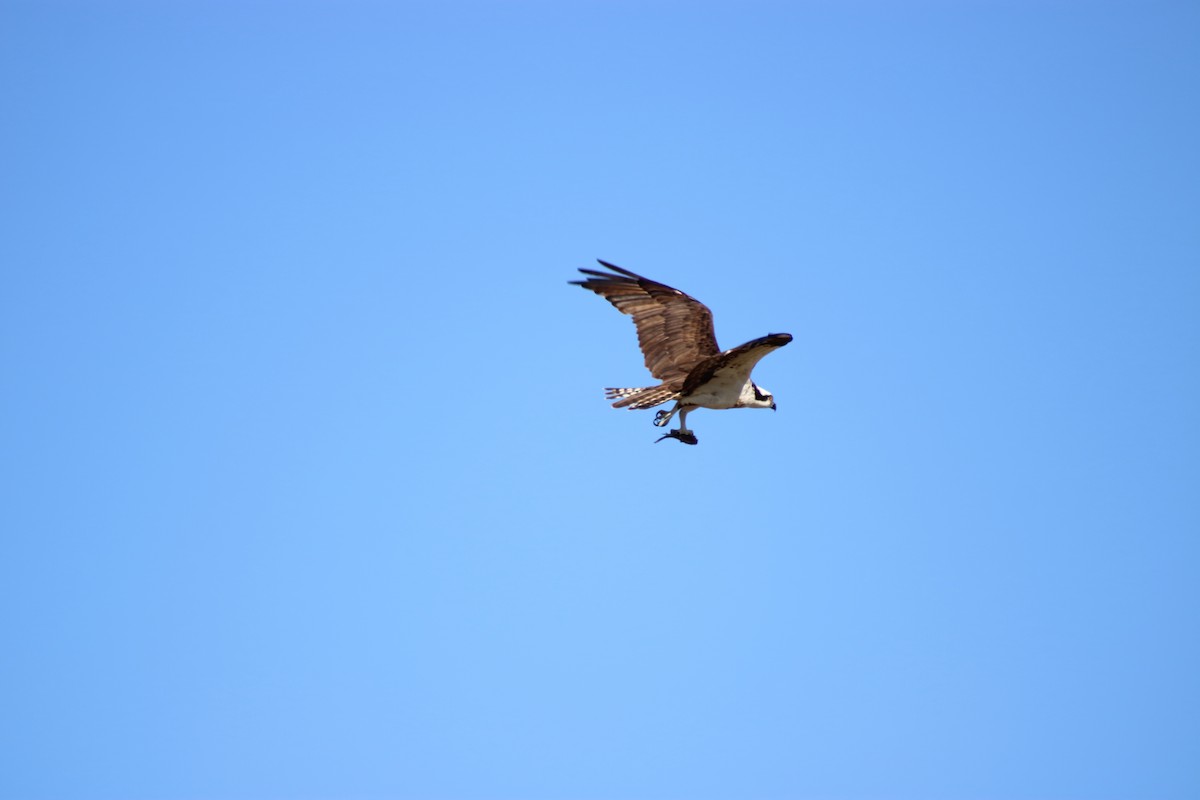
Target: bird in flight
pixel 676 335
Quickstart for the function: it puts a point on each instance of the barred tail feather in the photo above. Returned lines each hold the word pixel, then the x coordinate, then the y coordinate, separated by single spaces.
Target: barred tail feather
pixel 645 397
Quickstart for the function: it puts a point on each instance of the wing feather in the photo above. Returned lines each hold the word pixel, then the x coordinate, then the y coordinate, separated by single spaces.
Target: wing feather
pixel 739 361
pixel 675 331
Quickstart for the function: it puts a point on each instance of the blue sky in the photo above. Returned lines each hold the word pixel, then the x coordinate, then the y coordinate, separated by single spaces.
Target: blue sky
pixel 310 489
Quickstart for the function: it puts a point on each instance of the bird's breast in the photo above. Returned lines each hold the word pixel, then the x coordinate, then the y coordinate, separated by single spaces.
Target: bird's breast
pixel 723 391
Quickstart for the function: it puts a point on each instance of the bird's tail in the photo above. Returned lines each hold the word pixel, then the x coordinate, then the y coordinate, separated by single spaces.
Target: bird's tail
pixel 645 397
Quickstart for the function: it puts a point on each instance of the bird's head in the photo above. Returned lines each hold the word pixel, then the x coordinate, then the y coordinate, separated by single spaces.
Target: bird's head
pixel 758 397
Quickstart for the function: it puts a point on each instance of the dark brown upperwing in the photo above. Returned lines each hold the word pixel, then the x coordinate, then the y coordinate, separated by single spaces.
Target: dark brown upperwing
pixel 675 331
pixel 740 361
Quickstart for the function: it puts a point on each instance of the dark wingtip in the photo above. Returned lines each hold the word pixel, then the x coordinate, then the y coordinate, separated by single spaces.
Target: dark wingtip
pixel 615 268
pixel 592 274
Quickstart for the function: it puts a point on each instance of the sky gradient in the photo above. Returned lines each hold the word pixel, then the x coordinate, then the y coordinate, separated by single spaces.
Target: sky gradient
pixel 310 490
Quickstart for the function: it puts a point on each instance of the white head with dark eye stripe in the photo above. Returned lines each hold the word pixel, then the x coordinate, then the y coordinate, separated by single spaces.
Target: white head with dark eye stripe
pixel 755 396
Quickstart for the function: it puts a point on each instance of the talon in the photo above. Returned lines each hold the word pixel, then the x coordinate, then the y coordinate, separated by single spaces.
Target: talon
pixel 687 437
pixel 658 418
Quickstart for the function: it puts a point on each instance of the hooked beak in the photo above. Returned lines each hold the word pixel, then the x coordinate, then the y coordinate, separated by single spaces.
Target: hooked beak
pixel 772 406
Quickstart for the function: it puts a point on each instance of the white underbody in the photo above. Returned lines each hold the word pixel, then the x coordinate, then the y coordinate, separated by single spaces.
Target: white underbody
pixel 723 391
pixel 719 393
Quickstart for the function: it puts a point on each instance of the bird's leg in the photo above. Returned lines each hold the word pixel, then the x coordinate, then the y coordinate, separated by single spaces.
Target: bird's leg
pixel 681 433
pixel 663 417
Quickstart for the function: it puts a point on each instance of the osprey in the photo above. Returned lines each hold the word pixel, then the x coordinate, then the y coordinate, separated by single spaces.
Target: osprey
pixel 676 335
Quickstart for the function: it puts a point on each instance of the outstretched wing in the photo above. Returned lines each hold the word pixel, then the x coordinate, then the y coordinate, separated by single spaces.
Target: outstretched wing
pixel 734 366
pixel 675 331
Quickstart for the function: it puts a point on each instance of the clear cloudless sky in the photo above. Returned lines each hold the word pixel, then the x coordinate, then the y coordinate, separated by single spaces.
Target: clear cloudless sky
pixel 309 488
